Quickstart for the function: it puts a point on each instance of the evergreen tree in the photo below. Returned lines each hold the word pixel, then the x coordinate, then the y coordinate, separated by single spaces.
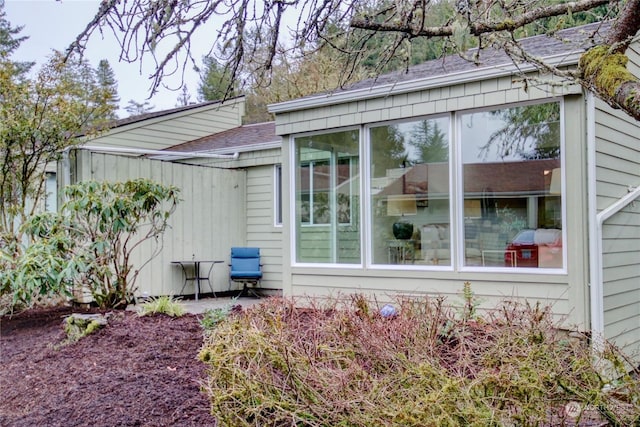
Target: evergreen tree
pixel 9 42
pixel 184 98
pixel 135 108
pixel 215 83
pixel 106 80
pixel 431 143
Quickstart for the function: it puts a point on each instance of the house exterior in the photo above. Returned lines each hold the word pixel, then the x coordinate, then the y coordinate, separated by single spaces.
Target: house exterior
pixel 227 174
pixel 410 184
pixel 414 183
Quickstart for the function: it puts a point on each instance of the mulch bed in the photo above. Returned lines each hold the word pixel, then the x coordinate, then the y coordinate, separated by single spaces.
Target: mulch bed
pixel 138 371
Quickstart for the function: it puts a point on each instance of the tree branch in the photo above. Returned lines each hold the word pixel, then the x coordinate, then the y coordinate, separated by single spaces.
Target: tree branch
pixel 479 27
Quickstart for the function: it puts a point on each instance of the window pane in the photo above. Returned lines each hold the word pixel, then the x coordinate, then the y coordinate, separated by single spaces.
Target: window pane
pixel 410 193
pixel 327 197
pixel 512 176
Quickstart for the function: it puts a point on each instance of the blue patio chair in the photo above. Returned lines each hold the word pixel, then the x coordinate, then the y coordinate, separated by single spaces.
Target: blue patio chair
pixel 246 269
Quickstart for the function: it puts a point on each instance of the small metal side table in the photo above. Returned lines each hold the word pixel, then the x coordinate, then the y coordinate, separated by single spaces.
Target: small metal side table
pixel 197 277
pixel 401 251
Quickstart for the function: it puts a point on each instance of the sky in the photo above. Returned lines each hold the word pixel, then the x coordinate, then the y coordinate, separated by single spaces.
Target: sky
pixel 51 24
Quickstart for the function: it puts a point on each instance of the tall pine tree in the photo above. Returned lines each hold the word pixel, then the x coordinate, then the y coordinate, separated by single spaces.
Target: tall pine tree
pixel 106 80
pixel 215 82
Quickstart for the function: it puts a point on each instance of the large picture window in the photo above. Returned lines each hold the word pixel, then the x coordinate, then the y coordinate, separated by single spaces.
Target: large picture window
pixel 409 188
pixel 512 192
pixel 327 198
pixel 504 211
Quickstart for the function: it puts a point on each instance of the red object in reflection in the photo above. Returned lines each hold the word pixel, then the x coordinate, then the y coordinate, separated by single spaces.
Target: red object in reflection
pixel 527 246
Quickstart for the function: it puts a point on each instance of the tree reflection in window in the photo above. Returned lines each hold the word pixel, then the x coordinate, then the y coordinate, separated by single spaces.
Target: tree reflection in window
pixel 315 208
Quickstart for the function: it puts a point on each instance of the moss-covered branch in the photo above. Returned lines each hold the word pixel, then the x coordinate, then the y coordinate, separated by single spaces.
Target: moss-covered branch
pixel 604 71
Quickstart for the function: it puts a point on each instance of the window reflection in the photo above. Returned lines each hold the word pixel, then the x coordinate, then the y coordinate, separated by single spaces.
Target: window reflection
pixel 512 176
pixel 327 198
pixel 410 192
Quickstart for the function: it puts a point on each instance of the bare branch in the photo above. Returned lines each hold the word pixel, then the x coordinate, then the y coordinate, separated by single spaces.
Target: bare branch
pixel 479 27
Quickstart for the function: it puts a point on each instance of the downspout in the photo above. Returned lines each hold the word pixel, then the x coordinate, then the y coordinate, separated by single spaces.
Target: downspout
pixel 595 231
pixel 595 260
pixel 184 154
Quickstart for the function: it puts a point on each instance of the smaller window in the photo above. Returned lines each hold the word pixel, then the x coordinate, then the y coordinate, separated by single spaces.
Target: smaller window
pixel 277 196
pixel 51 193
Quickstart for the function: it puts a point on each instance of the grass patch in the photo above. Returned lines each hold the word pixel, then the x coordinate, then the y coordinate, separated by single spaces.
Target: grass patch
pixel 344 363
pixel 166 305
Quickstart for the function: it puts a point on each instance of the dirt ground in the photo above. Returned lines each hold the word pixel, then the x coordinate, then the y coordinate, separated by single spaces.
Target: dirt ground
pixel 138 371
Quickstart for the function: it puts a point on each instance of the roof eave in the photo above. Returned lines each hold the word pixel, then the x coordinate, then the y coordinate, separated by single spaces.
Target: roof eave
pixel 376 91
pixel 225 151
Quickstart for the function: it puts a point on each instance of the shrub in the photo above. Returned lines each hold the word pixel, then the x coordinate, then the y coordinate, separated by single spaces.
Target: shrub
pixel 214 316
pixel 342 363
pixel 162 305
pixel 90 241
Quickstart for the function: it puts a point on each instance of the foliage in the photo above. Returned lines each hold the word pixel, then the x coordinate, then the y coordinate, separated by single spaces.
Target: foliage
pixel 215 83
pixel 184 98
pixel 96 232
pixel 376 35
pixel 106 79
pixel 162 305
pixel 135 108
pixel 215 316
pixel 432 143
pixel 10 41
pixel 39 118
pixel 43 269
pixel 78 326
pixel 529 132
pixel 343 363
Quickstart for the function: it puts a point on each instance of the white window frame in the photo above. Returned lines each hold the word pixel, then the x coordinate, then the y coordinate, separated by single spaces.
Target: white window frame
pixel 458 169
pixel 456 199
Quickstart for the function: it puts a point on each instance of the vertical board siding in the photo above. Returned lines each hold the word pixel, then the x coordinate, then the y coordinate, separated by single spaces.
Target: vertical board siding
pixel 208 221
pixel 261 229
pixel 617 169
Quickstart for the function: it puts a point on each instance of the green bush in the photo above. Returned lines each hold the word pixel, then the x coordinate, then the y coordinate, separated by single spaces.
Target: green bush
pixel 89 243
pixel 162 305
pixel 427 364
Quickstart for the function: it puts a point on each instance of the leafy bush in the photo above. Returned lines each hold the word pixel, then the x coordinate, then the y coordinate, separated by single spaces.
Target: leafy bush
pixel 162 305
pixel 43 269
pixel 89 243
pixel 342 363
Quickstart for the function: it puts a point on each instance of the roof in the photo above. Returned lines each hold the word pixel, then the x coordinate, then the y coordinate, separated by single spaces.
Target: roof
pixel 563 48
pixel 242 138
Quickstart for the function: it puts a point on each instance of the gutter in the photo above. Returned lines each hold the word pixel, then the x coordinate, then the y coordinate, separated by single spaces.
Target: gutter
pixel 183 154
pixel 595 232
pixel 66 167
